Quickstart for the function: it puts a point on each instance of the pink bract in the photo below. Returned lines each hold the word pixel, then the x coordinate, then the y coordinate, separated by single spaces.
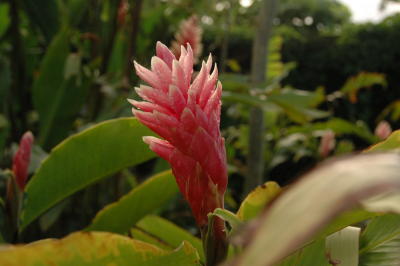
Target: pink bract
pixel 21 160
pixel 186 115
pixel 190 33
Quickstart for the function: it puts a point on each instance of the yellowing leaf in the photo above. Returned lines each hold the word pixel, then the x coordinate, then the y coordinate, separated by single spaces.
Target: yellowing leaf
pixel 255 202
pixel 96 249
pixel 391 143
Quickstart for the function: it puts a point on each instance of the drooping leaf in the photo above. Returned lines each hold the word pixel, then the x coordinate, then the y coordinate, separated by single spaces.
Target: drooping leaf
pixel 294 104
pixel 380 241
pixel 299 97
pixel 257 200
pixel 339 126
pixel 58 91
pixel 362 80
pixel 121 216
pixel 166 232
pixel 83 159
pixel 97 248
pixel 342 246
pixel 306 207
pixel 392 111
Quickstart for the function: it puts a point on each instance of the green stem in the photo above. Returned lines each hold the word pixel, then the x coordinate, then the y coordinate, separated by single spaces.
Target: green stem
pixel 215 242
pixel 255 159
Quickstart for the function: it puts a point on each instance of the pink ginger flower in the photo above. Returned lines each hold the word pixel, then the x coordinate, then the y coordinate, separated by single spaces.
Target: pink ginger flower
pixel 327 143
pixel 189 33
pixel 383 130
pixel 21 160
pixel 187 116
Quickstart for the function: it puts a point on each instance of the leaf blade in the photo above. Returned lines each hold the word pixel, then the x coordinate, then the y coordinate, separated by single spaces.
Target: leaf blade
pixel 122 215
pixel 97 248
pixel 67 169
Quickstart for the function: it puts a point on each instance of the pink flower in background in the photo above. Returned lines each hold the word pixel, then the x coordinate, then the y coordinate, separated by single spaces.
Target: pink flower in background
pixel 186 115
pixel 327 143
pixel 383 130
pixel 189 33
pixel 21 160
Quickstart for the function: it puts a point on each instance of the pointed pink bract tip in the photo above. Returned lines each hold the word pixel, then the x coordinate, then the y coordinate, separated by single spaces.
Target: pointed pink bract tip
pixel 21 159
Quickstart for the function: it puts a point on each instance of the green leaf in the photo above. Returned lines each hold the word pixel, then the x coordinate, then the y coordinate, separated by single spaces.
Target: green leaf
pixel 380 241
pixel 163 231
pixel 45 14
pixel 339 126
pixel 76 11
pixel 121 216
pixel 299 98
pixel 391 143
pixel 229 217
pixel 342 246
pixel 97 248
pixel 392 111
pixel 306 207
pixel 296 104
pixel 362 80
pixel 4 18
pixel 347 218
pixel 83 159
pixel 257 200
pixel 312 254
pixel 58 91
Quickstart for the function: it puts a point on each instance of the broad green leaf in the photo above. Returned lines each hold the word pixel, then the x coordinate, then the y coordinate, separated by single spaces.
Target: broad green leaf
pixel 391 143
pixel 312 254
pixel 235 82
pixel 148 238
pixel 83 159
pixel 380 241
pixel 339 126
pixel 347 218
pixel 304 209
pixel 246 99
pixel 342 246
pixel 97 248
pixel 45 14
pixel 298 112
pixel 257 200
pixel 166 232
pixel 121 216
pixel 58 91
pixel 299 98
